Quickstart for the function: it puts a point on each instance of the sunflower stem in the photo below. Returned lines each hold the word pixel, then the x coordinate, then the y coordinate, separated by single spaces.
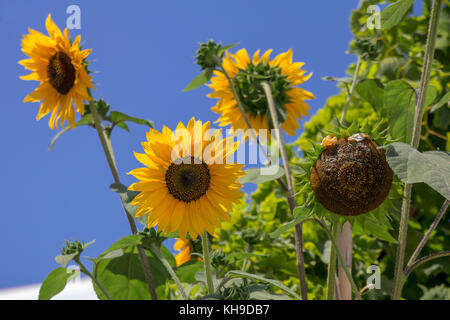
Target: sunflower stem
pixel 207 264
pixel 109 154
pixel 340 258
pixel 352 88
pixel 247 121
pixel 291 195
pixel 94 279
pixel 416 130
pixel 157 252
pixel 331 277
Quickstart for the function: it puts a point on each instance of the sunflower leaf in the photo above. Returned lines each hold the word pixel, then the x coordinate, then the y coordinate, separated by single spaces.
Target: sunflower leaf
pixel 118 117
pixel 412 166
pixel 126 196
pixel 371 90
pixel 54 283
pixel 394 13
pixel 445 99
pixel 300 215
pixel 255 175
pixel 200 80
pixel 223 49
pixel 277 284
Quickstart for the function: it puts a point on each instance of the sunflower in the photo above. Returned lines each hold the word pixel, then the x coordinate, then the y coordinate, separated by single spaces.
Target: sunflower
pixel 184 246
pixel 59 66
pixel 283 76
pixel 187 186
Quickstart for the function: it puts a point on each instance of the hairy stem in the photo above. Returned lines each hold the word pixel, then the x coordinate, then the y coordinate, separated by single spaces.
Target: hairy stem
pixel 157 253
pixel 352 88
pixel 207 263
pixel 425 238
pixel 331 277
pixel 420 105
pixel 94 279
pixel 109 154
pixel 421 261
pixel 291 195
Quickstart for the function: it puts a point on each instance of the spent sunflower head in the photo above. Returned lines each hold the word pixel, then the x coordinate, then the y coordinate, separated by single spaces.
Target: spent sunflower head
pixel 187 185
pixel 59 65
pixel 282 75
pixel 347 173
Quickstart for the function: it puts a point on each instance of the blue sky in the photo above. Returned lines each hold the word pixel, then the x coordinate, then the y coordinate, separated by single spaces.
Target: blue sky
pixel 143 53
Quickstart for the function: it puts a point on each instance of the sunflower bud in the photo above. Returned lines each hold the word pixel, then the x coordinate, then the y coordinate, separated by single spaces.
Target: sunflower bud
pixel 209 55
pixel 74 247
pixel 351 176
pixel 218 258
pixel 236 292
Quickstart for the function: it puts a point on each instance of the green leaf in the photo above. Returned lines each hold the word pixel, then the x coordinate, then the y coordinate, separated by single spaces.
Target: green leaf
pixel 118 117
pixel 54 283
pixel 243 255
pixel 445 99
pixel 412 166
pixel 64 259
pixel 277 284
pixel 399 99
pixel 186 272
pixel 300 214
pixel 125 242
pixel 371 90
pixel 369 225
pixel 256 175
pixel 123 277
pixel 394 13
pixel 200 80
pixel 223 49
pixel 343 79
pixel 126 196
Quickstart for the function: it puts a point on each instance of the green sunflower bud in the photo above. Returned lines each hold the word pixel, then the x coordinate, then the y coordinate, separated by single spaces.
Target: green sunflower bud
pixel 209 55
pixel 218 258
pixel 74 247
pixel 236 291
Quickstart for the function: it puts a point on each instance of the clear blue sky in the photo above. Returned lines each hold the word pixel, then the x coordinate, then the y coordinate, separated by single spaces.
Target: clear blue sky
pixel 143 53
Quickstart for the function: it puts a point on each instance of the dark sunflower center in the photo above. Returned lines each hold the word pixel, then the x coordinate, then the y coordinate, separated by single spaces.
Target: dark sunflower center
pixel 251 93
pixel 186 180
pixel 61 72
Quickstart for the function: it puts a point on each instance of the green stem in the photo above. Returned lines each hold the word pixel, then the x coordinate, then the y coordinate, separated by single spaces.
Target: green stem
pixel 94 279
pixel 420 105
pixel 341 259
pixel 156 252
pixel 352 88
pixel 207 263
pixel 421 261
pixel 291 195
pixel 109 154
pixel 331 278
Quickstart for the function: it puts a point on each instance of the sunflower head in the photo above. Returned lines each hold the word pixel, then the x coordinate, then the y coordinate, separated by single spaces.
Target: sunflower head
pixel 247 74
pixel 188 184
pixel 60 67
pixel 351 176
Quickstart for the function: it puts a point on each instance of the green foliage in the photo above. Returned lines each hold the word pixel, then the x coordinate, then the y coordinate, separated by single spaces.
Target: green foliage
pixel 54 283
pixel 412 166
